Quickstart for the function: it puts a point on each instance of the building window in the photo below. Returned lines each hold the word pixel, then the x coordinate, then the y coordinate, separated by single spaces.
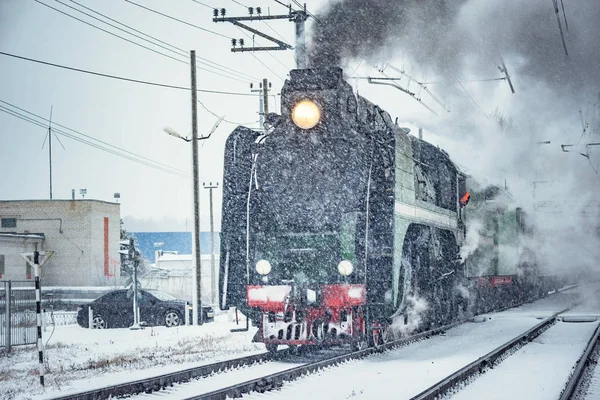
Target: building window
pixel 1 265
pixel 9 222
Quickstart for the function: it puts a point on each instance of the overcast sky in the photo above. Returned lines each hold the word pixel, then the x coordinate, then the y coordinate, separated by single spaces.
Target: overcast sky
pixel 132 116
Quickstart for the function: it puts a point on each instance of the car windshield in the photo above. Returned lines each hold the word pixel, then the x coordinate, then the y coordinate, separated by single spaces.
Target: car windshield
pixel 162 295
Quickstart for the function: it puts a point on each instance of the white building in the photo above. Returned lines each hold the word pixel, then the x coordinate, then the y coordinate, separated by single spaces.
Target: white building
pixel 84 235
pixel 173 273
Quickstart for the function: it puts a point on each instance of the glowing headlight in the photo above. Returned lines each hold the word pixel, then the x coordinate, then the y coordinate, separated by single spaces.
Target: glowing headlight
pixel 345 267
pixel 263 267
pixel 306 114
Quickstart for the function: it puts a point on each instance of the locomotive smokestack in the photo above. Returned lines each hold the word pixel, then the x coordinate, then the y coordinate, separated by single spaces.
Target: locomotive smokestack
pixel 300 19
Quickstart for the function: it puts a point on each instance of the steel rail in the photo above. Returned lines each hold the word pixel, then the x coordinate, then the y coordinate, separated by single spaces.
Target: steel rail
pixel 277 379
pixel 580 367
pixel 489 359
pixel 155 383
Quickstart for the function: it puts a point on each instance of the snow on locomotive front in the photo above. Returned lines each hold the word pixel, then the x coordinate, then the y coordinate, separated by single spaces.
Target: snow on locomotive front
pixel 336 221
pixel 293 216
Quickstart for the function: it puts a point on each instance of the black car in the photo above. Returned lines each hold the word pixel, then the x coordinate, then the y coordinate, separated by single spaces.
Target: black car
pixel 115 310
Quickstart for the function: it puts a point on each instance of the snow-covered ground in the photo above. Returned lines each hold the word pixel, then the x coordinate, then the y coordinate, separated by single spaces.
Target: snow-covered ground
pixel 538 370
pixel 81 359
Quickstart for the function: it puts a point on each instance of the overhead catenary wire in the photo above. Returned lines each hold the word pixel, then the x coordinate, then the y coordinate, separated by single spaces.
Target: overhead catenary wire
pixel 181 51
pixel 126 79
pixel 177 19
pixel 153 164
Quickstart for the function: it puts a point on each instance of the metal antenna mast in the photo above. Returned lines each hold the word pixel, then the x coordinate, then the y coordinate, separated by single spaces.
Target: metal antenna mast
pixel 49 137
pixel 299 17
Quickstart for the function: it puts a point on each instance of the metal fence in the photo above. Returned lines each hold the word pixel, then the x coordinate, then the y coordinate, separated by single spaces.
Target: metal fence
pixel 17 313
pixel 57 318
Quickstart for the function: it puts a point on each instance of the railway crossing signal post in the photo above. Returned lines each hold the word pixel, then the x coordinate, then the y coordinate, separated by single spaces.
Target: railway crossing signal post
pixel 33 259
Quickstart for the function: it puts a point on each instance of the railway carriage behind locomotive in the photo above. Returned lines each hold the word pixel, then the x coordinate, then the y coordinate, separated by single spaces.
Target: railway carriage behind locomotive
pixel 335 220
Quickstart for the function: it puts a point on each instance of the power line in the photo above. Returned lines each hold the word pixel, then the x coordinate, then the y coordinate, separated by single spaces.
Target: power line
pixel 471 97
pixel 283 4
pixel 110 33
pixel 225 120
pixel 268 52
pixel 266 66
pixel 123 78
pixel 201 60
pixel 176 19
pixel 90 137
pixel 203 4
pixel 121 37
pixel 151 164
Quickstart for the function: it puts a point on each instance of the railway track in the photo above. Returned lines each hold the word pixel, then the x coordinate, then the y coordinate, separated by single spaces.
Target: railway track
pixel 442 387
pixel 259 384
pixel 264 383
pixel 153 384
pixel 579 382
pixel 559 347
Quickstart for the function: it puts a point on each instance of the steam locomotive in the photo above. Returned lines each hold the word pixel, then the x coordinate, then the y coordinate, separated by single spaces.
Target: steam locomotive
pixel 340 227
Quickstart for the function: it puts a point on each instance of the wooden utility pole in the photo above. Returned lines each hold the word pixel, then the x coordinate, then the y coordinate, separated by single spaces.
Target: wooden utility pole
pixel 198 315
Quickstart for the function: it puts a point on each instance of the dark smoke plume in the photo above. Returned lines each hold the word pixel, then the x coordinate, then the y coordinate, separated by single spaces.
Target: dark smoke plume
pixel 361 29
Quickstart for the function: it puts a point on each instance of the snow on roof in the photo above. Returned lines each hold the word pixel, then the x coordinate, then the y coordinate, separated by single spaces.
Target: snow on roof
pixel 23 235
pixel 174 257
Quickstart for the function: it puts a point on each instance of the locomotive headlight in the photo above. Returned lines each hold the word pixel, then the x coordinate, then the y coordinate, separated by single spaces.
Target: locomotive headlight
pixel 263 267
pixel 306 114
pixel 345 267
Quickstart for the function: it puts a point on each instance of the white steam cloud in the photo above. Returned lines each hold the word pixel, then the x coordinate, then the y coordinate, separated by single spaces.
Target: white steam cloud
pixel 495 136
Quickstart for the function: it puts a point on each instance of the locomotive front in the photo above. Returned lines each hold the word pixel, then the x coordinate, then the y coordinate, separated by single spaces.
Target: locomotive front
pixel 304 218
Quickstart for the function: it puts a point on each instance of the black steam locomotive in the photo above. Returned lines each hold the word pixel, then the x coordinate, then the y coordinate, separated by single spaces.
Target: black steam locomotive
pixel 340 227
